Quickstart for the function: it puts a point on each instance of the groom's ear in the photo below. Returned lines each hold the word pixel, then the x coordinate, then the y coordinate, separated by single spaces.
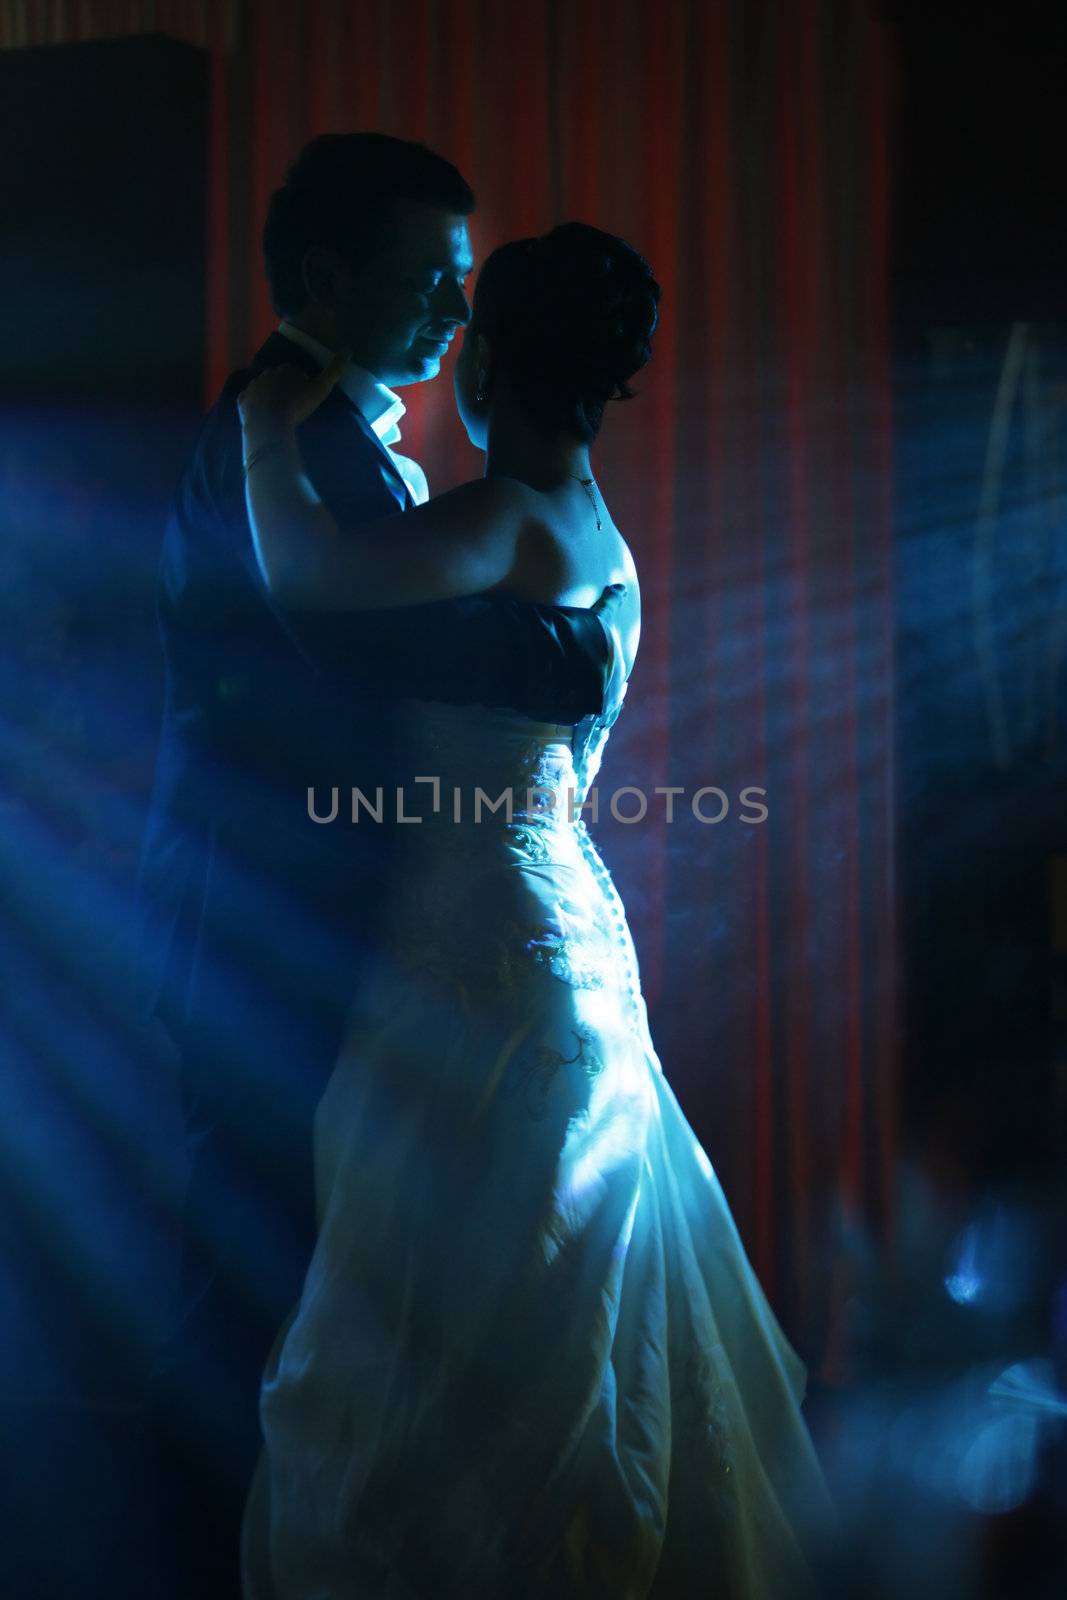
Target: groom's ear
pixel 325 276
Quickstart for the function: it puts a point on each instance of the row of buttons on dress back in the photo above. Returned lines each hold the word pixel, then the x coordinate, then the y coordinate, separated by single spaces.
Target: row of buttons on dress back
pixel 580 744
pixel 611 894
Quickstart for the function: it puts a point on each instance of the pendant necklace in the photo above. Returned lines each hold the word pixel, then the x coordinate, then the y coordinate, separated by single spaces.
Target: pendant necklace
pixel 588 486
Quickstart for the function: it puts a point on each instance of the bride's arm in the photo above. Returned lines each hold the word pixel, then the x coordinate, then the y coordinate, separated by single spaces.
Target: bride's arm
pixel 463 542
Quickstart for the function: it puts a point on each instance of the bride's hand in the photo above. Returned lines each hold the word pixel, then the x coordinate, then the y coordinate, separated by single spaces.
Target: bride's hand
pixel 610 599
pixel 280 398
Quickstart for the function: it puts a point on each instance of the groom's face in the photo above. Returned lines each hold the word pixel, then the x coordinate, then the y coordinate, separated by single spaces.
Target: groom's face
pixel 399 312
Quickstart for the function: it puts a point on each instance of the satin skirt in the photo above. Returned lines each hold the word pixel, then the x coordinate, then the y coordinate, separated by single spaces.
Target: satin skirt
pixel 531 1356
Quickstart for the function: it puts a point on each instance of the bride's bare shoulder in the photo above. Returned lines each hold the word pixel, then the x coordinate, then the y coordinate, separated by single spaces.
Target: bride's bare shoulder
pixel 482 507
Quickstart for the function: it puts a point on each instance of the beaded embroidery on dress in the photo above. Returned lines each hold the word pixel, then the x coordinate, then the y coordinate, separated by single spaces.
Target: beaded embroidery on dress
pixel 531 1357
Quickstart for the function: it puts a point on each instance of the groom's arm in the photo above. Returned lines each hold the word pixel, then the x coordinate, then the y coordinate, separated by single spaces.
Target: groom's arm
pixel 548 662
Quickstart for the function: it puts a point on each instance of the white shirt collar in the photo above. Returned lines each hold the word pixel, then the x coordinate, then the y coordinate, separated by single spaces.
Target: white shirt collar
pixel 379 405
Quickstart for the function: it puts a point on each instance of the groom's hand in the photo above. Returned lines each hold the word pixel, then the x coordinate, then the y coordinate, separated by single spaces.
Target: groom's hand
pixel 280 398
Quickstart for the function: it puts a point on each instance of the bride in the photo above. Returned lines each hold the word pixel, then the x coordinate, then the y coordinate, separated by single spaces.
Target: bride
pixel 531 1356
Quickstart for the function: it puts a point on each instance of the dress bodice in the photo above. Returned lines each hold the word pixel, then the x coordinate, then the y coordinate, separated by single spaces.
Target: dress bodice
pixel 477 765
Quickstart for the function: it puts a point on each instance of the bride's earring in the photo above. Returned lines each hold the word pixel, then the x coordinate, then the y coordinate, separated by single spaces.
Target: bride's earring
pixel 479 393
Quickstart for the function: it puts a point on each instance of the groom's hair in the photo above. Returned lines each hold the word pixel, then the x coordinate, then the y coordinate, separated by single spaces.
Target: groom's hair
pixel 337 194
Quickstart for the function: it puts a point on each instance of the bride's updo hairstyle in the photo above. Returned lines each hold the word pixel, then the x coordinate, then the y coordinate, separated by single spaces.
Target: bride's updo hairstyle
pixel 569 317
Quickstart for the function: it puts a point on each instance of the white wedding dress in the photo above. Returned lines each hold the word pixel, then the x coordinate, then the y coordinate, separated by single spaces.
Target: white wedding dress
pixel 531 1357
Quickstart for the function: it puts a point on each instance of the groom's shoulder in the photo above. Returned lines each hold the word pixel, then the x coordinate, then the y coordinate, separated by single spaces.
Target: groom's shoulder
pixel 217 445
pixel 222 414
pixel 221 418
pixel 220 427
pixel 216 448
pixel 223 411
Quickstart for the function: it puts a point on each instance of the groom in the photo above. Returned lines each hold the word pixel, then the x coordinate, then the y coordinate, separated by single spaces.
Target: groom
pixel 256 918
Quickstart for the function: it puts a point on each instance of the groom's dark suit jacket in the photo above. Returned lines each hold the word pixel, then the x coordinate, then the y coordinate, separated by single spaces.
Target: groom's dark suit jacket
pixel 253 916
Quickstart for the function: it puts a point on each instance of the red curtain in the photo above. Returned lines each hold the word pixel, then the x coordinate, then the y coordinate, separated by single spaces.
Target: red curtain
pixel 743 146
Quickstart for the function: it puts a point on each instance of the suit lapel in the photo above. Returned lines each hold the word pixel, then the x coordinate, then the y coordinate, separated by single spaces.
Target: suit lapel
pixel 389 467
pixel 278 350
